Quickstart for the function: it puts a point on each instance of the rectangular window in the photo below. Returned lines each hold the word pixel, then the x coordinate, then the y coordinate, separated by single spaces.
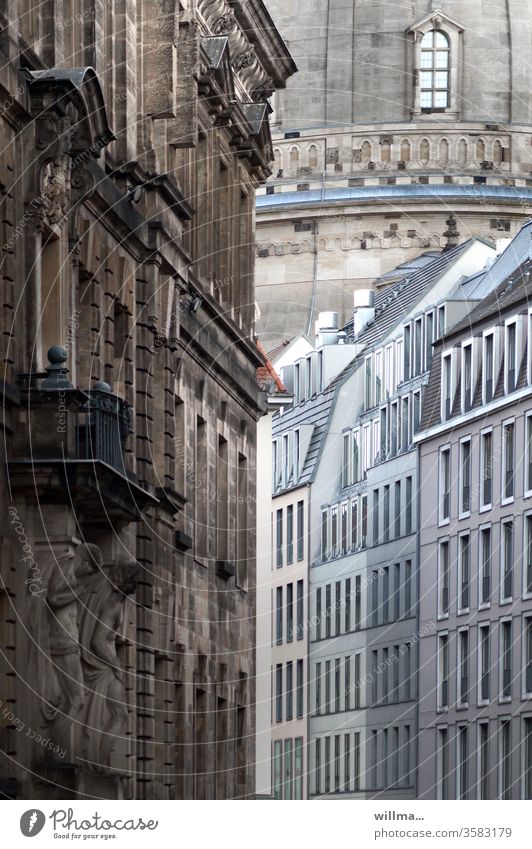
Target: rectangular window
pixel 388 370
pixel 378 377
pixel 485 561
pixel 317 773
pixel 358 682
pixel 385 757
pixel 429 338
pixel 277 769
pixel 462 756
pixel 289 691
pixel 484 761
pixel 488 369
pixel 383 429
pixel 374 759
pixel 510 358
pixel 463 684
pixel 328 610
pixel 318 613
pixel 507 561
pixel 406 755
pixel 527 651
pixel 298 772
pixel 354 524
pixel 508 460
pixel 486 469
pixel 300 610
pixel 386 595
pixel 386 518
pixel 279 692
pixel 416 415
pixel 374 677
pixel 405 427
pixel 375 598
pixel 443 763
pixel 396 591
pixel 324 535
pixel 506 759
pixel 334 531
pixel 527 743
pixel 347 682
pixel 408 506
pixel 348 605
pixel 290 534
pixel 337 740
pixel 318 688
pixel 467 378
pixel 358 600
pixel 338 609
pixel 445 484
pixel 279 615
pixel 396 659
pixel 300 529
pixel 408 588
pixel 408 671
pixel 356 456
pixel 368 392
pixel 385 674
pixel 288 770
pixel 279 545
pixel 327 686
pixel 528 555
pixel 345 461
pixel 375 517
pixel 484 665
pixel 394 429
pixel 528 451
pixel 327 764
pixel 447 392
pixel 337 685
pixel 299 689
pixel 364 523
pixel 465 477
pixel 418 337
pixel 506 659
pixel 289 613
pixel 397 510
pixel 347 763
pixel 463 589
pixel 406 368
pixel 399 362
pixel 443 661
pixel 444 578
pixel 343 528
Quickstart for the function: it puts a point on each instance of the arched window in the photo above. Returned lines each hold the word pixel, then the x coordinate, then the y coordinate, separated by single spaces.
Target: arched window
pixel 462 152
pixel 443 157
pixel 434 73
pixel 313 156
pixel 294 159
pixel 424 151
pixel 405 150
pixel 480 150
pixel 366 152
pixel 497 153
pixel 386 150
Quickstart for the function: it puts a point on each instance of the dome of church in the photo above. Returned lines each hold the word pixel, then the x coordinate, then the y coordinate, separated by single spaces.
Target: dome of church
pixel 366 61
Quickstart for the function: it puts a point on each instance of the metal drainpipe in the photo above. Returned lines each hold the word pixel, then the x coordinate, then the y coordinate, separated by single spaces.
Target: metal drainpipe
pixel 315 227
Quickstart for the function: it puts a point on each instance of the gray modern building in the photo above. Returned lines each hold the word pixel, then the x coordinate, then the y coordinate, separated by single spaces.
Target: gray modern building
pixel 475 547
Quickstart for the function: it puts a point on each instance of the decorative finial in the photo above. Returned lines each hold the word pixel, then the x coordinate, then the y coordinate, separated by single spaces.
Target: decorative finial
pixel 451 234
pixel 57 371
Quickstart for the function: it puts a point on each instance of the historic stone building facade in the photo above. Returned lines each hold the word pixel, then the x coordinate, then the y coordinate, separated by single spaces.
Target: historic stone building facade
pixel 398 117
pixel 133 137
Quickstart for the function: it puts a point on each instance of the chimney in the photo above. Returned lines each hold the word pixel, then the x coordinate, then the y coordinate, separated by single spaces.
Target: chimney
pixel 326 329
pixel 364 312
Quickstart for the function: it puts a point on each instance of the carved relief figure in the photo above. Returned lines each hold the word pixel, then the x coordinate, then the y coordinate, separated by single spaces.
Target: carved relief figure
pixel 102 600
pixel 55 189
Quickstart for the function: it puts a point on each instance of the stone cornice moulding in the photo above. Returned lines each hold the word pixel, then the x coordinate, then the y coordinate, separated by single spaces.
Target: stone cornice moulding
pixel 435 20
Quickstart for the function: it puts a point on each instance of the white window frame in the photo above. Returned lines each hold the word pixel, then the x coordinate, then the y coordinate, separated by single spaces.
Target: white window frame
pixel 528 454
pixel 445 390
pixel 483 508
pixel 529 348
pixel 489 333
pixel 399 361
pixel 464 514
pixel 480 627
pixel 347 477
pixel 442 615
pixel 509 499
pixel 487 526
pixel 525 694
pixel 502 598
pixel 378 374
pixel 355 440
pixel 443 520
pixel 511 322
pixel 389 376
pixel 459 609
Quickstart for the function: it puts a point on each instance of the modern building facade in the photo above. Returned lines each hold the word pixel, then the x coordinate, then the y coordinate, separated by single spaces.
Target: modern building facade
pixel 131 149
pixel 475 548
pixel 398 117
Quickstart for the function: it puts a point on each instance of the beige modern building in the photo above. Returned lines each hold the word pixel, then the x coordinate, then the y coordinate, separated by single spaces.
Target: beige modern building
pixel 400 117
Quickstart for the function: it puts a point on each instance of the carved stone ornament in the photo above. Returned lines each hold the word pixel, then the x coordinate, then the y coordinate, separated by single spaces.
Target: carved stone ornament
pixel 55 189
pixel 225 24
pixel 245 59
